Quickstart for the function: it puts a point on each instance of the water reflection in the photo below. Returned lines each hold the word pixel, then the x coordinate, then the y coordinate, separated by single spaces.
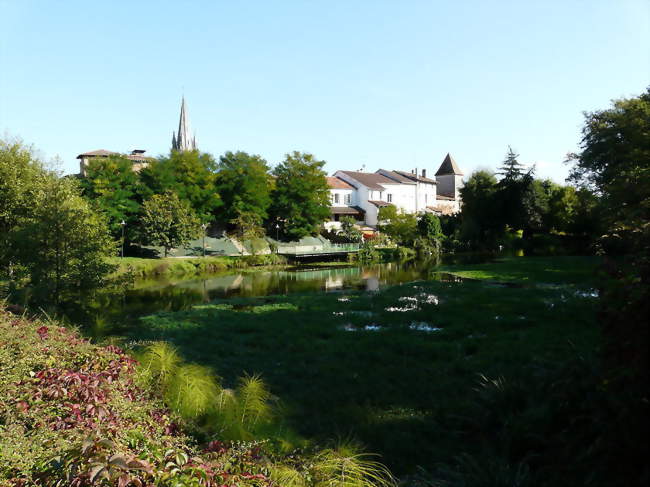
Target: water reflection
pixel 114 313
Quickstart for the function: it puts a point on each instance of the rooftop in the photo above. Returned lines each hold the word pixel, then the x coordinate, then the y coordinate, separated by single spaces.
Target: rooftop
pixel 449 167
pixel 97 153
pixel 379 204
pixel 338 183
pixel 414 177
pixel 370 179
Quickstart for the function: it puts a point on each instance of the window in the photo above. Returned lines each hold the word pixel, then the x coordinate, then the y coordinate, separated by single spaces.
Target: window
pixel 336 198
pixel 348 199
pixel 426 197
pixel 389 198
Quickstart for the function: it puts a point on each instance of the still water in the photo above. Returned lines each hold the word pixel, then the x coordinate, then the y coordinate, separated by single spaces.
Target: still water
pixel 115 313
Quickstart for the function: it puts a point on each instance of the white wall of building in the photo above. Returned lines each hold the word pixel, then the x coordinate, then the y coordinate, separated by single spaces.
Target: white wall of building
pixel 342 197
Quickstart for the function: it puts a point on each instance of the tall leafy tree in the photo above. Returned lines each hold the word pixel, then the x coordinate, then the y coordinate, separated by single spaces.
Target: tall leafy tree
pixel 481 223
pixel 114 188
pixel 429 227
pixel 63 243
pixel 300 200
pixel 562 206
pixel 615 162
pixel 191 175
pixel 20 176
pixel 168 221
pixel 244 184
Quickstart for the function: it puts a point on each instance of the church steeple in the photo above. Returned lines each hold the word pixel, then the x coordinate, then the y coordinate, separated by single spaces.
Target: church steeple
pixel 182 141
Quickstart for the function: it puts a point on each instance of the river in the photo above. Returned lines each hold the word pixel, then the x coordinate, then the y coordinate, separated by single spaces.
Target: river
pixel 114 313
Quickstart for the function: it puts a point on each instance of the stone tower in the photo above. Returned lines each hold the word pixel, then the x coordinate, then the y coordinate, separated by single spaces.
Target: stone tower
pixel 182 141
pixel 449 178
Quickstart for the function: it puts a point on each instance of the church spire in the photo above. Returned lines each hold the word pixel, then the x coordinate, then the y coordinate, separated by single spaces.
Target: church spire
pixel 182 141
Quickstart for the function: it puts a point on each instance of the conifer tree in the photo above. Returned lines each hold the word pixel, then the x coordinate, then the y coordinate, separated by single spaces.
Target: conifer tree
pixel 512 169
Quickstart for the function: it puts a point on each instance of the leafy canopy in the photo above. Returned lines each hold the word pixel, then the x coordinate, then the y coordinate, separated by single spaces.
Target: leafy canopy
pixel 20 176
pixel 114 188
pixel 63 243
pixel 243 182
pixel 191 175
pixel 168 222
pixel 615 161
pixel 300 200
pixel 400 226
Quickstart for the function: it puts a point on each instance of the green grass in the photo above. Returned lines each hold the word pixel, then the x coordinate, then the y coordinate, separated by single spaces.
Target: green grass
pixel 365 365
pixel 531 269
pixel 142 268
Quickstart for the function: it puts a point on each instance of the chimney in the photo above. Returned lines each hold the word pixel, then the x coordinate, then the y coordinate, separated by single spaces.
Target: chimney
pixel 424 173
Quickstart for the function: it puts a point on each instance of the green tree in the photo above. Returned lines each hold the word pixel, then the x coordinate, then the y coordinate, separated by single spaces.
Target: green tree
pixel 615 162
pixel 300 200
pixel 243 182
pixel 512 169
pixel 63 243
pixel 401 227
pixel 114 188
pixel 168 221
pixel 20 176
pixel 191 175
pixel 349 229
pixel 515 199
pixel 562 205
pixel 429 227
pixel 481 225
pixel 535 205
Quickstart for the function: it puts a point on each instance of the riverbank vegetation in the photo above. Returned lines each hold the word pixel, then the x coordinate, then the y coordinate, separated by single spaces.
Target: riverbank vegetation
pixel 396 368
pixel 77 414
pixel 140 268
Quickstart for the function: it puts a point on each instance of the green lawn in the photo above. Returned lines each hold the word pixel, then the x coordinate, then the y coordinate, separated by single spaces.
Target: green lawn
pixel 399 369
pixel 550 270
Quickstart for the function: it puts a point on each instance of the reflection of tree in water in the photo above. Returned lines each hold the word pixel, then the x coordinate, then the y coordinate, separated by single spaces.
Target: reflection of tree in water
pixel 112 312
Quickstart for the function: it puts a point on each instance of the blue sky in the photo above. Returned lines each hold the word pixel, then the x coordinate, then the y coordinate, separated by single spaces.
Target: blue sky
pixel 391 84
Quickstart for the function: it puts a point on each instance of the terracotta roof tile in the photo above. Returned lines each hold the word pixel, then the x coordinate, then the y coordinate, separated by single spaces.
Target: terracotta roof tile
pixel 338 183
pixel 97 153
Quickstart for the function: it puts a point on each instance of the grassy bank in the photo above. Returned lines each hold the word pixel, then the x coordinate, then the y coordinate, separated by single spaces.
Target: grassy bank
pixel 141 268
pixel 72 413
pixel 456 378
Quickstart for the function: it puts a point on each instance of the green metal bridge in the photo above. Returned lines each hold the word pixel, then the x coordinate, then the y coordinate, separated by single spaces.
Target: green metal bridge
pixel 329 249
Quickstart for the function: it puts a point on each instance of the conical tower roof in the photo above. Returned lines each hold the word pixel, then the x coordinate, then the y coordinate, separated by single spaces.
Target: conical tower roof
pixel 183 141
pixel 449 167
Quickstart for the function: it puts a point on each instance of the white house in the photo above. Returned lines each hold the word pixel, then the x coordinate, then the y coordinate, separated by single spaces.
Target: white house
pixel 361 194
pixel 344 202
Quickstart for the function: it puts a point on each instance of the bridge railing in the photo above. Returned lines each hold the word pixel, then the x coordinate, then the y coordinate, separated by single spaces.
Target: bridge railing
pixel 318 249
